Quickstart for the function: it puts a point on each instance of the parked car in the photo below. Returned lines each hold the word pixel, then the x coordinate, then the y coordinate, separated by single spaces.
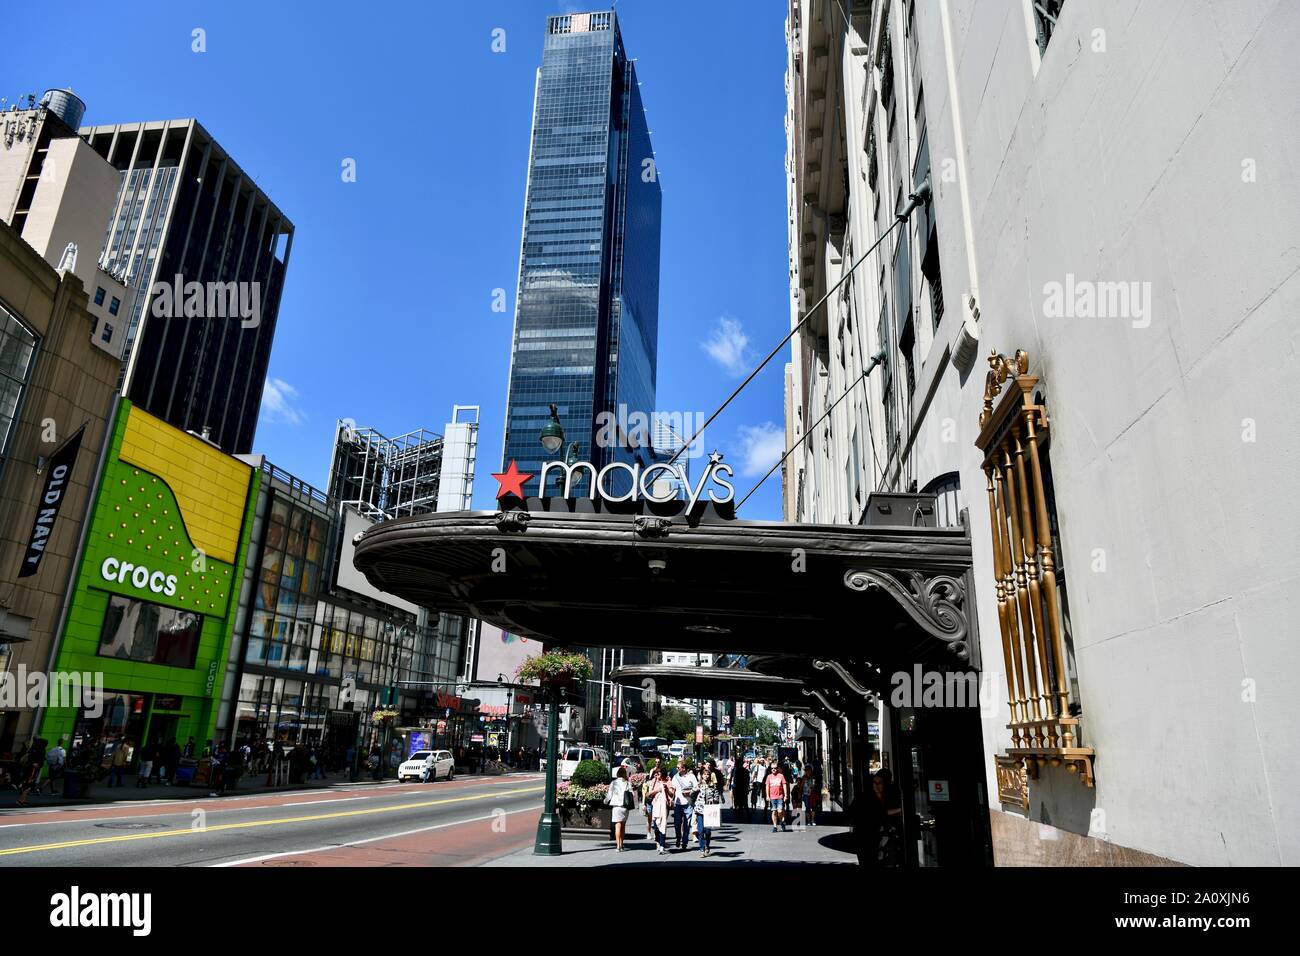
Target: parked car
pixel 427 766
pixel 576 755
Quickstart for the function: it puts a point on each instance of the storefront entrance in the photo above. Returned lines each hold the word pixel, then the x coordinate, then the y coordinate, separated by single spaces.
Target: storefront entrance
pixel 937 763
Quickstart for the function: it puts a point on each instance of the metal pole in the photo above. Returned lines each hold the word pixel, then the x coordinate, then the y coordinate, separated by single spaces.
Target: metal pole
pixel 548 827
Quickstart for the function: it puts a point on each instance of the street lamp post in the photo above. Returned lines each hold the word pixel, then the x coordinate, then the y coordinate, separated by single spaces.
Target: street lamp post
pixel 510 694
pixel 549 841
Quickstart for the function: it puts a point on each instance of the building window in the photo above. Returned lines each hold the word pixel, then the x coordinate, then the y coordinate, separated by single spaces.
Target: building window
pixel 930 268
pixel 114 306
pixel 1030 583
pixel 1046 13
pixel 903 316
pixel 140 631
pixel 106 333
pixel 17 347
pixel 887 380
pixel 947 499
pixel 99 296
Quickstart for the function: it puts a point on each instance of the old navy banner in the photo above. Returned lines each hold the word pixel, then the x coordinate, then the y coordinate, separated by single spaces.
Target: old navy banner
pixel 57 479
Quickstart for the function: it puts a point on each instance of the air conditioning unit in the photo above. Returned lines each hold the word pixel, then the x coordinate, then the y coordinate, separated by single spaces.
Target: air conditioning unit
pixel 893 510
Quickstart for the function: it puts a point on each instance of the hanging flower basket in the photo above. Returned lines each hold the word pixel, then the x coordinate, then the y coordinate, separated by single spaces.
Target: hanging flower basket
pixel 555 669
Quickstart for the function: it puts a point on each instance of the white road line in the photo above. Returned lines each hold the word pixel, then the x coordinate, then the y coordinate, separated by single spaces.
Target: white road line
pixel 389 836
pixel 305 803
pixel 226 805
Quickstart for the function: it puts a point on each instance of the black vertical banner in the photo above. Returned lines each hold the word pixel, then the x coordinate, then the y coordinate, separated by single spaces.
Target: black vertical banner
pixel 57 478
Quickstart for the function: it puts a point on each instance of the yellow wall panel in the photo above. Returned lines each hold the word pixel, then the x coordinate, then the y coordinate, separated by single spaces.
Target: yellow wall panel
pixel 210 486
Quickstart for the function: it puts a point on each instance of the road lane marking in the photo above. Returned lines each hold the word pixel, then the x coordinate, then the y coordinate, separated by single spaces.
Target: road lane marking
pixel 224 805
pixel 378 839
pixel 68 844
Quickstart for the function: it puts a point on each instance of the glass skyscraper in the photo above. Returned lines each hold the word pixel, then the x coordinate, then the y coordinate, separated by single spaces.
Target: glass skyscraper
pixel 587 318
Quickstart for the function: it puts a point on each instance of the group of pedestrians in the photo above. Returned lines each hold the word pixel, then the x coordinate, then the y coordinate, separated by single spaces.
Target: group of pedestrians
pixel 685 795
pixel 778 788
pixel 42 768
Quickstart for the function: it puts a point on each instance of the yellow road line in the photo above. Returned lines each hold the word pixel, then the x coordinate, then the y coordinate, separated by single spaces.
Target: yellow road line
pixel 262 823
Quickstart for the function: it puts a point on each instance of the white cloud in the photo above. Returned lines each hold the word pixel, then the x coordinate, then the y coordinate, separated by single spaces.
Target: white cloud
pixel 761 447
pixel 280 402
pixel 727 346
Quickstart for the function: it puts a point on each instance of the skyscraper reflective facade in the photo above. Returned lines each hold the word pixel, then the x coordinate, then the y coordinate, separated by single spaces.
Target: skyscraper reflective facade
pixel 587 315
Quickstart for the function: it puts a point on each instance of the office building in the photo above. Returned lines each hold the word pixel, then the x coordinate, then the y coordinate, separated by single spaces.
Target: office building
pixel 56 397
pixel 317 648
pixel 587 307
pixel 587 312
pixel 57 193
pixel 204 251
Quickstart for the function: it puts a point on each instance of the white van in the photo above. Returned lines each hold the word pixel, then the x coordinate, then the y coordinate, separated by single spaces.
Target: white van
pixel 577 753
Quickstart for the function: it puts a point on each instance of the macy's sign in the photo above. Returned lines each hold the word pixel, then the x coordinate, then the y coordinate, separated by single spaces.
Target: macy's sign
pixel 512 480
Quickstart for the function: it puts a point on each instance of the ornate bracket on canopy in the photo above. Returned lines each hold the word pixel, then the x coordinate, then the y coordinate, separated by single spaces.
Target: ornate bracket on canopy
pixel 937 602
pixel 825 703
pixel 850 681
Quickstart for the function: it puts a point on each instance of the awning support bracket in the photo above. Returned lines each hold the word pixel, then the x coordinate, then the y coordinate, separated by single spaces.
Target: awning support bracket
pixel 937 603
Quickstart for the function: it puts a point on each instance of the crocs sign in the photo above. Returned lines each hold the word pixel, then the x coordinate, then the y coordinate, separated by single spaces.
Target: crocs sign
pixel 159 582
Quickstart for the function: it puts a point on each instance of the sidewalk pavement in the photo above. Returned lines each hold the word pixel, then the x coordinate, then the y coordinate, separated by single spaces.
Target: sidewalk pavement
pixel 249 785
pixel 732 844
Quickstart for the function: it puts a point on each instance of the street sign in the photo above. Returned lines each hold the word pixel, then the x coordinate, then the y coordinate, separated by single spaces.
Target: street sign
pixel 699 733
pixel 605 729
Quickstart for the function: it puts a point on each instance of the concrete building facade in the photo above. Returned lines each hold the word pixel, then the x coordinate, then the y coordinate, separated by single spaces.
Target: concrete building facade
pixel 1113 217
pixel 56 397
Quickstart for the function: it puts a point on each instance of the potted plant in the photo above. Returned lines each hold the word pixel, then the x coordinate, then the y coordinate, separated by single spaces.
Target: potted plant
pixel 580 801
pixel 555 669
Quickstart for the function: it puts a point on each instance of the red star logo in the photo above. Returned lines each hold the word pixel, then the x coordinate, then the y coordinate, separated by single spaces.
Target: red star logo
pixel 511 481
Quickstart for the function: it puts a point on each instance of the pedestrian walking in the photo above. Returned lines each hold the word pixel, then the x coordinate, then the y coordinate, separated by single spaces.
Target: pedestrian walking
pixel 147 756
pixel 660 793
pixel 687 786
pixel 778 793
pixel 33 764
pixel 57 761
pixel 710 796
pixel 757 779
pixel 232 768
pixel 121 759
pixel 812 795
pixel 740 790
pixel 621 801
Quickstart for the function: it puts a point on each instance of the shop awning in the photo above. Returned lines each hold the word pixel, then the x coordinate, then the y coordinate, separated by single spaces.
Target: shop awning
pixel 587 572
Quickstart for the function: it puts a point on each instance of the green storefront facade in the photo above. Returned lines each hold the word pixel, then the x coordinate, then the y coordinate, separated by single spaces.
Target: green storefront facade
pixel 157 587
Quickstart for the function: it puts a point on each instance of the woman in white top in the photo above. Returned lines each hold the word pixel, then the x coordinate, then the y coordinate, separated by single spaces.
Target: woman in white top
pixel 619 790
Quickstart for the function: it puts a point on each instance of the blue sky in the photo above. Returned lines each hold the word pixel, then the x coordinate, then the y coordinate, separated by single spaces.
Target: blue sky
pixel 387 312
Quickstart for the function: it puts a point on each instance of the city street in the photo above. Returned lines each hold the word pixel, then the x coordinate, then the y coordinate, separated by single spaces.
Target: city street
pixel 464 822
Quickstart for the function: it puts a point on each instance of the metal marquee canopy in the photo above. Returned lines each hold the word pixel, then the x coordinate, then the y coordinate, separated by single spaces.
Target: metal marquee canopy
pixel 711 683
pixel 588 572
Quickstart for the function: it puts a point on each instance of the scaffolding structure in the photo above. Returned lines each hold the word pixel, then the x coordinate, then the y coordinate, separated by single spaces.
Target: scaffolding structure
pixel 385 478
